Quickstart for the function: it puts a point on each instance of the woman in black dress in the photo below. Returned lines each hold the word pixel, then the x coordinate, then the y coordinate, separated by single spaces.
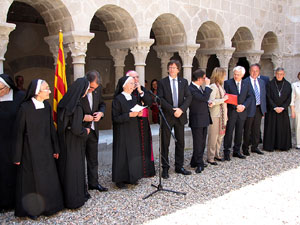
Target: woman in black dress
pixel 277 130
pixel 10 100
pixel 38 191
pixel 127 161
pixel 72 136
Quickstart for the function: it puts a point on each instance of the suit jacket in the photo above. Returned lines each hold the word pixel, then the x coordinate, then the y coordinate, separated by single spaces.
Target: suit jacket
pixel 266 79
pixel 199 115
pixel 263 99
pixel 244 98
pixel 98 106
pixel 164 92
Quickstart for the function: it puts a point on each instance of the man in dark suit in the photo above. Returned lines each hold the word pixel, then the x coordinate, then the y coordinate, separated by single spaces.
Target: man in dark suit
pixel 175 98
pixel 255 111
pixel 94 108
pixel 199 117
pixel 236 114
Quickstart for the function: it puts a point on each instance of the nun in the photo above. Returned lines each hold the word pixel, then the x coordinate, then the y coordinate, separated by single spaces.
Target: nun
pixel 127 160
pixel 10 100
pixel 72 136
pixel 38 191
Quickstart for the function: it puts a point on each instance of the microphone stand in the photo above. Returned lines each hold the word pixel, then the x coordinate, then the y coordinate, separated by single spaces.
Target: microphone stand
pixel 162 118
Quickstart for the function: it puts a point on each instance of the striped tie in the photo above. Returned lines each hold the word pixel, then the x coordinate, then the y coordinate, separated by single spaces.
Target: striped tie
pixel 257 95
pixel 174 95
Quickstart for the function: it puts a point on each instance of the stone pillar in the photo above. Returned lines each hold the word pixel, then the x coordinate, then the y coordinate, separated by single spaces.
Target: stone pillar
pixel 254 57
pixel 276 60
pixel 77 43
pixel 140 51
pixel 5 29
pixel 232 64
pixel 187 54
pixel 164 59
pixel 119 59
pixel 202 60
pixel 224 56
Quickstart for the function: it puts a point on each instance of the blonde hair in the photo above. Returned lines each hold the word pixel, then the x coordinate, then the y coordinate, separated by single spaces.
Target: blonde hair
pixel 218 75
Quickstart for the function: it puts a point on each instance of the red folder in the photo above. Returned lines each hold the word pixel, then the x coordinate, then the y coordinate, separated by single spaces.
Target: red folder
pixel 232 99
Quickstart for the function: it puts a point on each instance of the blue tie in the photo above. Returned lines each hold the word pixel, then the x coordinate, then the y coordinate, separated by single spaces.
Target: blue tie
pixel 175 97
pixel 257 95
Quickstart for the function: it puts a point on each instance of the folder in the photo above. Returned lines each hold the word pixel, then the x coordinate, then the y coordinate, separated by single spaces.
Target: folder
pixel 232 99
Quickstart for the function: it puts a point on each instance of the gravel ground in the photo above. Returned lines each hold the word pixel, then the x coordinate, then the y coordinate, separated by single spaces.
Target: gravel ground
pixel 128 207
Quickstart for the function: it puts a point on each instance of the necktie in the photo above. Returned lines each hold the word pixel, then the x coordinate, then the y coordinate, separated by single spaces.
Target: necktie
pixel 90 98
pixel 257 95
pixel 238 87
pixel 175 97
pixel 201 89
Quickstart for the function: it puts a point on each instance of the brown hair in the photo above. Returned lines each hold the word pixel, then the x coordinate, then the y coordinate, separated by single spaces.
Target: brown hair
pixel 298 75
pixel 217 75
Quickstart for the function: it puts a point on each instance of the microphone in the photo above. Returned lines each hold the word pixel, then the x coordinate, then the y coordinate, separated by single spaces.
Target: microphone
pixel 154 95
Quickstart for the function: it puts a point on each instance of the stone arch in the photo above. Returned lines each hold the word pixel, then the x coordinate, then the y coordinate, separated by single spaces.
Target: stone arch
pixel 118 22
pixel 169 30
pixel 210 36
pixel 55 14
pixel 269 43
pixel 243 40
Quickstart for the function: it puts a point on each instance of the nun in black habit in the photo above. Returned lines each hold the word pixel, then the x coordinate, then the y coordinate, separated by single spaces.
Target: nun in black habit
pixel 127 160
pixel 10 100
pixel 38 191
pixel 72 136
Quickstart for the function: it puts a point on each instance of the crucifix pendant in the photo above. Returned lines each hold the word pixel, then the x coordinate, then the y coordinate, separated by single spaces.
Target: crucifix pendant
pixel 279 93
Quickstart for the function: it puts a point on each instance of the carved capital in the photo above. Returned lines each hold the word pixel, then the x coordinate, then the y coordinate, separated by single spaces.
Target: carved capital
pixel 119 56
pixel 202 60
pixel 254 57
pixel 277 60
pixel 5 29
pixel 224 56
pixel 140 51
pixel 187 54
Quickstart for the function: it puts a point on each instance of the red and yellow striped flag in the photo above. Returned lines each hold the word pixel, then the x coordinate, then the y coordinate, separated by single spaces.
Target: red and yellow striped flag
pixel 60 81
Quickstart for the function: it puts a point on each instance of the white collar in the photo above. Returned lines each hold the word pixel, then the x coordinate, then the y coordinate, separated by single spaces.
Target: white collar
pixel 171 79
pixel 8 97
pixel 198 86
pixel 37 104
pixel 127 96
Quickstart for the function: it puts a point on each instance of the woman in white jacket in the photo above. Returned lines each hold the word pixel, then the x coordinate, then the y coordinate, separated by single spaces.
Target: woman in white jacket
pixel 295 107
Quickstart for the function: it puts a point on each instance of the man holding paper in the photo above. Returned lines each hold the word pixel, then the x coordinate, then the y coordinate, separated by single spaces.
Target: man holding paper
pixel 237 114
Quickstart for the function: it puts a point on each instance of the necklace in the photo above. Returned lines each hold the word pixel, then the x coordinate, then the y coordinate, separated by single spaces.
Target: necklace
pixel 279 91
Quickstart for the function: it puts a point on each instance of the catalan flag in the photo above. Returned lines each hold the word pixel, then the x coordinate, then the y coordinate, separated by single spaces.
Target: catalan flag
pixel 60 81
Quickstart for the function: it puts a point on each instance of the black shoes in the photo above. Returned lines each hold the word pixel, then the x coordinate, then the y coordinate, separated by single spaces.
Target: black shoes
pixel 121 185
pixel 238 155
pixel 183 171
pixel 257 151
pixel 226 157
pixel 213 163
pixel 165 174
pixel 87 196
pixel 98 187
pixel 199 169
pixel 219 159
pixel 33 217
pixel 246 152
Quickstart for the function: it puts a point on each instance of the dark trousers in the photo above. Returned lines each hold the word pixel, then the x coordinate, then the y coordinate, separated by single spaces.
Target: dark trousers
pixel 199 142
pixel 179 145
pixel 252 130
pixel 235 123
pixel 91 153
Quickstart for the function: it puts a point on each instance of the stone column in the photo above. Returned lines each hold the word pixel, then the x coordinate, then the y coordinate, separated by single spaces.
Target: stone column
pixel 77 43
pixel 119 59
pixel 187 54
pixel 202 60
pixel 140 51
pixel 5 29
pixel 164 59
pixel 224 56
pixel 232 64
pixel 276 60
pixel 254 57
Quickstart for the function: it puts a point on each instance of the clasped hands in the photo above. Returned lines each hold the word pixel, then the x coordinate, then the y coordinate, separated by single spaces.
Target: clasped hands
pixel 240 108
pixel 95 117
pixel 278 109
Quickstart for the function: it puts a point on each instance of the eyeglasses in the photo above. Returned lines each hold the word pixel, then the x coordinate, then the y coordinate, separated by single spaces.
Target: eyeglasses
pixel 173 68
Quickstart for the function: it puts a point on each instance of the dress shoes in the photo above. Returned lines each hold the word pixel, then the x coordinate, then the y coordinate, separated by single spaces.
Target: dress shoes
pixel 238 155
pixel 257 151
pixel 121 185
pixel 87 196
pixel 246 152
pixel 205 165
pixel 183 171
pixel 219 159
pixel 199 169
pixel 98 187
pixel 213 163
pixel 227 157
pixel 298 148
pixel 33 217
pixel 165 174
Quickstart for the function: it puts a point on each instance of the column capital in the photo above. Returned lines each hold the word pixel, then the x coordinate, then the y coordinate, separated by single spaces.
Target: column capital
pixel 164 60
pixel 277 60
pixel 224 56
pixel 202 60
pixel 187 54
pixel 140 51
pixel 53 42
pixel 254 57
pixel 118 56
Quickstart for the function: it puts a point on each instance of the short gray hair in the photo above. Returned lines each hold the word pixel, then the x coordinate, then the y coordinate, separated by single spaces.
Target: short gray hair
pixel 239 68
pixel 279 69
